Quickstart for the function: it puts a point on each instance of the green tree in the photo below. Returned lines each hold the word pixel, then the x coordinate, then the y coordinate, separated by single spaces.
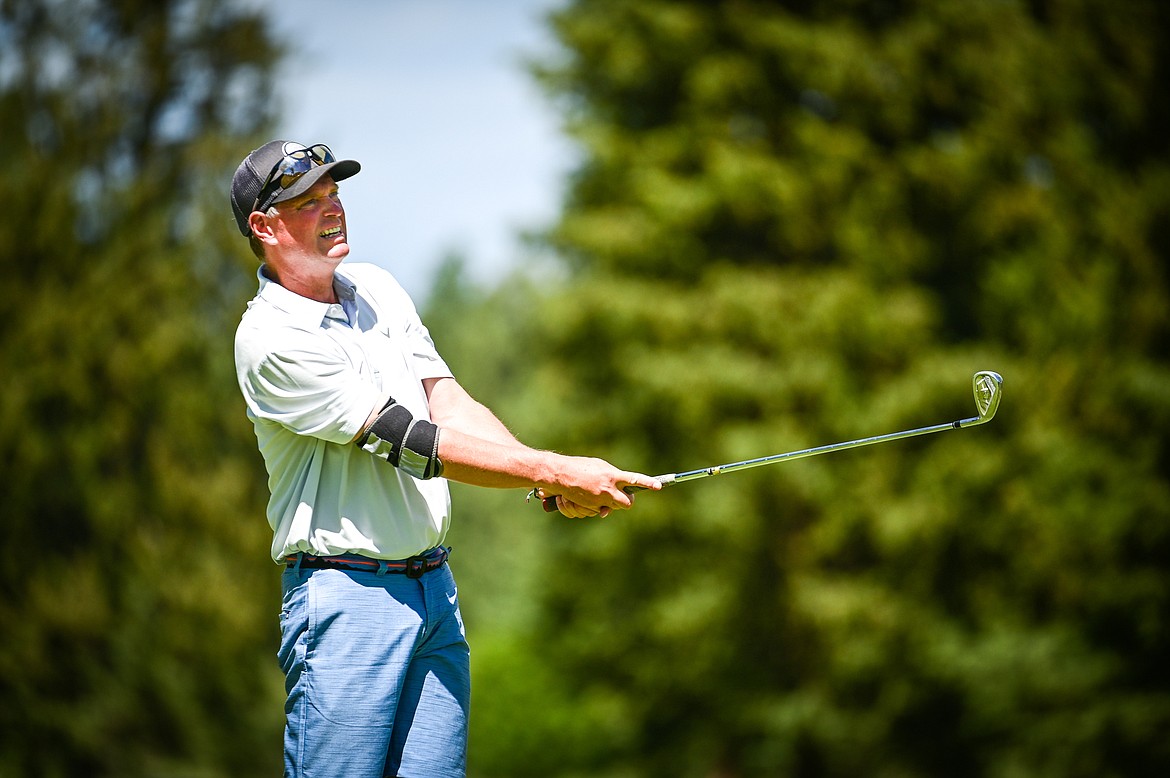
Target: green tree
pixel 138 628
pixel 803 222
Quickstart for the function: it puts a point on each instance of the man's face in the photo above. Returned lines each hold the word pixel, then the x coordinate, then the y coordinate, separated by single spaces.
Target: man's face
pixel 313 223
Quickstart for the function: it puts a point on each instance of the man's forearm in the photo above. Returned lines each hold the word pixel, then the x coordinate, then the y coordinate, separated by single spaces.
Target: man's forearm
pixel 476 448
pixel 502 465
pixel 586 482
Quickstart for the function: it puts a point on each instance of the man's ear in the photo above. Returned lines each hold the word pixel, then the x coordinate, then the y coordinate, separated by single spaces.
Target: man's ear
pixel 261 225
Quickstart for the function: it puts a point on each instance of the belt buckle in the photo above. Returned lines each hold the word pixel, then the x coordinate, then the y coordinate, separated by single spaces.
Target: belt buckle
pixel 415 567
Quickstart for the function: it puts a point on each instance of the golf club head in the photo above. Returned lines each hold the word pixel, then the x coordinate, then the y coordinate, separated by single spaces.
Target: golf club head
pixel 987 386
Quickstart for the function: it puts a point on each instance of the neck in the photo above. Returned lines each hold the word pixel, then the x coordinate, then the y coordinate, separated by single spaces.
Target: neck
pixel 315 286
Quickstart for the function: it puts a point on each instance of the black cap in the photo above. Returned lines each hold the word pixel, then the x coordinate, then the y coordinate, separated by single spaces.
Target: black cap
pixel 255 169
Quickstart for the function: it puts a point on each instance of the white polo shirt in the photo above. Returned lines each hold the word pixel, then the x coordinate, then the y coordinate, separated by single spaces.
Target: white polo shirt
pixel 311 373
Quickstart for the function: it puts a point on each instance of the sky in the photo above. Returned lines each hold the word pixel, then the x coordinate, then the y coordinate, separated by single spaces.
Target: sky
pixel 460 151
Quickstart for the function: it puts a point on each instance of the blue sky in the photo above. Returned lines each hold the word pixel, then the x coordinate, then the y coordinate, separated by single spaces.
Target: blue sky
pixel 459 149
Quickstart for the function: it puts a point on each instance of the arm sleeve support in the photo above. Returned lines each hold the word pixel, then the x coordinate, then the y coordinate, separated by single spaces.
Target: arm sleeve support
pixel 410 444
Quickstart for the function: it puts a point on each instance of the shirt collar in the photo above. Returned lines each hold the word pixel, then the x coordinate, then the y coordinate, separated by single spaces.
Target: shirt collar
pixel 302 308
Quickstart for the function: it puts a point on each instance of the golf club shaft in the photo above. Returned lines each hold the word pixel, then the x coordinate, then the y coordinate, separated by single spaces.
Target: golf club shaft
pixel 669 479
pixel 985 384
pixel 747 464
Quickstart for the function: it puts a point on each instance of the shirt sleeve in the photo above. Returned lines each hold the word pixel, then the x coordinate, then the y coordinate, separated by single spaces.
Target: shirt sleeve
pixel 426 359
pixel 311 389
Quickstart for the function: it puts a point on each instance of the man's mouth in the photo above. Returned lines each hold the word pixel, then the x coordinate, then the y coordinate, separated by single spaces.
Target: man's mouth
pixel 332 232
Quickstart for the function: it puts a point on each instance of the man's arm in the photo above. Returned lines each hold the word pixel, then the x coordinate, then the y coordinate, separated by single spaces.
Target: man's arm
pixel 476 448
pixel 451 406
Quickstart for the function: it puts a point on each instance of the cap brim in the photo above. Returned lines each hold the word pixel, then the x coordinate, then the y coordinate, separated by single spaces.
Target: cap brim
pixel 338 171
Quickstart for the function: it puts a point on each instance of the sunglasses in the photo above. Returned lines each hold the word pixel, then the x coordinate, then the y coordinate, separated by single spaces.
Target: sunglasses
pixel 297 161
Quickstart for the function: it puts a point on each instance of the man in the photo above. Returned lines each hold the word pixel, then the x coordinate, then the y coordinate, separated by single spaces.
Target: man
pixel 357 417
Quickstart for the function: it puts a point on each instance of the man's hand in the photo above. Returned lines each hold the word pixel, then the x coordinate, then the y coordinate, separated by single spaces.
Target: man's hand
pixel 574 511
pixel 567 507
pixel 588 486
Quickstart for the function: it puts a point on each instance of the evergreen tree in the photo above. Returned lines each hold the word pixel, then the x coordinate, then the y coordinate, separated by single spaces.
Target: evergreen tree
pixel 803 222
pixel 138 626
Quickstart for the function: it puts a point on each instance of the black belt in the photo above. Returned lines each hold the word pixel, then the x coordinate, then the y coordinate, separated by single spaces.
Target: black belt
pixel 413 567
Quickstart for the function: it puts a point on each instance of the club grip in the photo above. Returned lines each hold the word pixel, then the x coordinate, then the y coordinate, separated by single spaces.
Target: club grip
pixel 550 503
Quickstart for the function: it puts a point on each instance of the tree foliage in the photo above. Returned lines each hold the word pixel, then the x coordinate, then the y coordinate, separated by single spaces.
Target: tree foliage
pixel 138 626
pixel 802 222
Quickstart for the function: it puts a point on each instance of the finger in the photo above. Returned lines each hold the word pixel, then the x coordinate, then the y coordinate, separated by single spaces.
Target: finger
pixel 621 501
pixel 574 510
pixel 636 482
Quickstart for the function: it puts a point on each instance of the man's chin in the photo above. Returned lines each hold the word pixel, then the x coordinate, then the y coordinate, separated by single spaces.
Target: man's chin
pixel 338 251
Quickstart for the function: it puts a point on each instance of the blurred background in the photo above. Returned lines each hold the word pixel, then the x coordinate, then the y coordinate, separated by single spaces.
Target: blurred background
pixel 462 153
pixel 669 233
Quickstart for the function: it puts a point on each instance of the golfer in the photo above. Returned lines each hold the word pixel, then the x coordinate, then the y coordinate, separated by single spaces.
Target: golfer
pixel 359 422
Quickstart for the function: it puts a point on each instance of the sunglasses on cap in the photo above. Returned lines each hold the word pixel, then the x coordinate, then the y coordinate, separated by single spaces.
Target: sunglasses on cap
pixel 297 161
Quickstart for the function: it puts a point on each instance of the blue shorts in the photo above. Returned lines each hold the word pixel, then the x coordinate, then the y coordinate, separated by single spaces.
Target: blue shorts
pixel 377 672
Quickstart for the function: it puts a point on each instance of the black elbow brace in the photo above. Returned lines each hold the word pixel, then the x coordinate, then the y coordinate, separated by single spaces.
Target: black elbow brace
pixel 410 444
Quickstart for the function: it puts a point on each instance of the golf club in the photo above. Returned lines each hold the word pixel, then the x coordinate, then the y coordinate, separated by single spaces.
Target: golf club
pixel 986 385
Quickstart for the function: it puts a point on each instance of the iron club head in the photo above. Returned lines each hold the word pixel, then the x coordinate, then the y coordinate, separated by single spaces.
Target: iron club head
pixel 987 386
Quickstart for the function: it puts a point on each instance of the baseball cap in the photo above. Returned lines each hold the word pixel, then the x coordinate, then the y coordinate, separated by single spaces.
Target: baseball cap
pixel 258 183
